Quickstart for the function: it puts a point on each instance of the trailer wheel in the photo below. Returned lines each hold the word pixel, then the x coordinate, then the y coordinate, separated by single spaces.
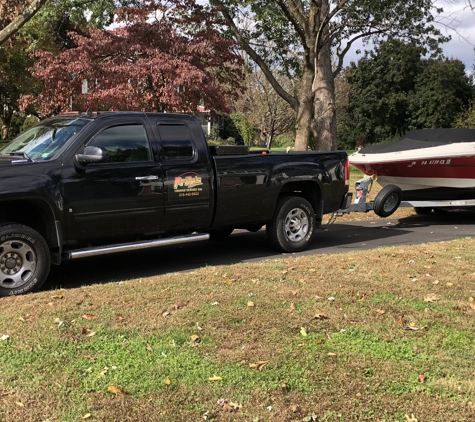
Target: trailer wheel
pixel 422 210
pixel 24 260
pixel 387 200
pixel 293 225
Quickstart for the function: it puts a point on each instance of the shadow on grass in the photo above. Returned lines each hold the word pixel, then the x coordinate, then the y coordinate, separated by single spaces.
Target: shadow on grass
pixel 241 246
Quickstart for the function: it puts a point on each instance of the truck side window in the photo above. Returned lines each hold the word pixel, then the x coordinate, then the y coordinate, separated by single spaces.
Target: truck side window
pixel 176 141
pixel 124 143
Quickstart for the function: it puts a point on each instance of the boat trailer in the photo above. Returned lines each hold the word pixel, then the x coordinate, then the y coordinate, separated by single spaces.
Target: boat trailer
pixel 389 199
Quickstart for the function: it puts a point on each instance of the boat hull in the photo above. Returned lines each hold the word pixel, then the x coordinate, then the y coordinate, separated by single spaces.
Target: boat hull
pixel 439 173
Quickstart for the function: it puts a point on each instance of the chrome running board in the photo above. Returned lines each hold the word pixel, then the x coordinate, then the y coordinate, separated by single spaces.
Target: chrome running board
pixel 123 247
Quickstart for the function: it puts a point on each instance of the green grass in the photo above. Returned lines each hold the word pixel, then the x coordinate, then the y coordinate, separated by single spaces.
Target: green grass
pixel 341 338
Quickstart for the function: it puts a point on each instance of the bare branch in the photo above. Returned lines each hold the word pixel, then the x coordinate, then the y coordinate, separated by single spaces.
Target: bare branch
pixel 245 45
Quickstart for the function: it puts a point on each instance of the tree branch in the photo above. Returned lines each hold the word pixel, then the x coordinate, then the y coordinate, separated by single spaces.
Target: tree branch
pixel 294 103
pixel 20 20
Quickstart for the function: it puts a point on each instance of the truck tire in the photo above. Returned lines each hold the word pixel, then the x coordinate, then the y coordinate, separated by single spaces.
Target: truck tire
pixel 387 200
pixel 24 260
pixel 293 225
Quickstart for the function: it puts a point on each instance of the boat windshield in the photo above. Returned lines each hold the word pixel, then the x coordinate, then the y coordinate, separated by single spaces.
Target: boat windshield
pixel 44 140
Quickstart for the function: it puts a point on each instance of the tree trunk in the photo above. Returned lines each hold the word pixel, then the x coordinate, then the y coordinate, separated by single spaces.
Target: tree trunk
pixel 304 112
pixel 324 123
pixel 4 132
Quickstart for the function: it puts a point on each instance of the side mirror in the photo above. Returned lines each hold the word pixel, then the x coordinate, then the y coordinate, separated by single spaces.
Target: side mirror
pixel 93 155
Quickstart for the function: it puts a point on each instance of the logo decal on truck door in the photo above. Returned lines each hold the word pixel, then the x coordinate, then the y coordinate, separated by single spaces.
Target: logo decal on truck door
pixel 188 184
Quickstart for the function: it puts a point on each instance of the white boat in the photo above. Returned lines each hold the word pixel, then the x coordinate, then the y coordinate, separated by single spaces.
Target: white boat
pixel 429 164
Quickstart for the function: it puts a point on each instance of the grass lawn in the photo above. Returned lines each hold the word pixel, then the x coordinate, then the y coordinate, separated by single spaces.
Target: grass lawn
pixel 381 336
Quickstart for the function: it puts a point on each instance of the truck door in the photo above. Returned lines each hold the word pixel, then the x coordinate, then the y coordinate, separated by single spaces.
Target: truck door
pixel 187 175
pixel 120 197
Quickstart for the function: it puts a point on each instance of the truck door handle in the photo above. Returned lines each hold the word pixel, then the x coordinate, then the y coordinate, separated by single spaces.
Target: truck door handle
pixel 147 178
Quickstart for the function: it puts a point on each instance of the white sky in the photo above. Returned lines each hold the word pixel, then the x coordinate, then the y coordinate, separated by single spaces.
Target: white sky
pixel 461 47
pixel 456 15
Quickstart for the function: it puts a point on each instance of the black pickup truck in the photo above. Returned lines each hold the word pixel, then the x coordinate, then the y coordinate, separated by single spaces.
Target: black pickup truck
pixel 78 185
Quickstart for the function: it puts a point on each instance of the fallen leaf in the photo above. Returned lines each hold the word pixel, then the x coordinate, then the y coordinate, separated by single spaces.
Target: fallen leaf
pixel 8 393
pixel 380 311
pixel 87 416
pixel 292 306
pixel 103 372
pixel 167 381
pixel 19 403
pixel 295 408
pixel 91 334
pixel 472 306
pixel 450 284
pixel 215 378
pixel 294 292
pixel 165 313
pixel 470 299
pixel 303 332
pixel 194 338
pixel 258 365
pixel 431 298
pixel 331 354
pixel 115 390
pixel 421 378
pixel 250 304
pixel 89 316
pixel 320 315
pixel 411 418
pixel 235 406
pixel 285 389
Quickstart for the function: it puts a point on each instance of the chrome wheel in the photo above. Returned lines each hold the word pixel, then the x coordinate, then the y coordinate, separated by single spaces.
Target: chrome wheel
pixel 296 225
pixel 17 264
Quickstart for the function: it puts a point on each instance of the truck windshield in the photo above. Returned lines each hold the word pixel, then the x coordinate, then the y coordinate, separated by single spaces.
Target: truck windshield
pixel 44 140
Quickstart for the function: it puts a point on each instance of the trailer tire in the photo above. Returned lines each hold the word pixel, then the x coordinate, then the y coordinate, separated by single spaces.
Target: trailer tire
pixel 422 210
pixel 293 226
pixel 387 200
pixel 24 260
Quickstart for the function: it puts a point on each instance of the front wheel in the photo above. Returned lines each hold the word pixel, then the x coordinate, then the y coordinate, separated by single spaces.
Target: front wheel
pixel 24 260
pixel 293 225
pixel 387 200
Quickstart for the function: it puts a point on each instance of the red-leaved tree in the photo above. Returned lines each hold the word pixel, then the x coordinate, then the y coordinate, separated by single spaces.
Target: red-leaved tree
pixel 164 56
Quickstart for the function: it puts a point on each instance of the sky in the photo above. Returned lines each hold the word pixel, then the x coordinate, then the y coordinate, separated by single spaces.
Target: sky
pixel 462 45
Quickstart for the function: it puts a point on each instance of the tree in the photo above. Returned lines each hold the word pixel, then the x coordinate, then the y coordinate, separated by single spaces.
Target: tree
pixel 442 91
pixel 298 35
pixel 15 81
pixel 263 108
pixel 171 62
pixel 394 89
pixel 14 14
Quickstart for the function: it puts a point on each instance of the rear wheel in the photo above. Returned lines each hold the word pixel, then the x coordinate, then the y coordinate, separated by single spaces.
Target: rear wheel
pixel 387 200
pixel 293 225
pixel 422 210
pixel 24 260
